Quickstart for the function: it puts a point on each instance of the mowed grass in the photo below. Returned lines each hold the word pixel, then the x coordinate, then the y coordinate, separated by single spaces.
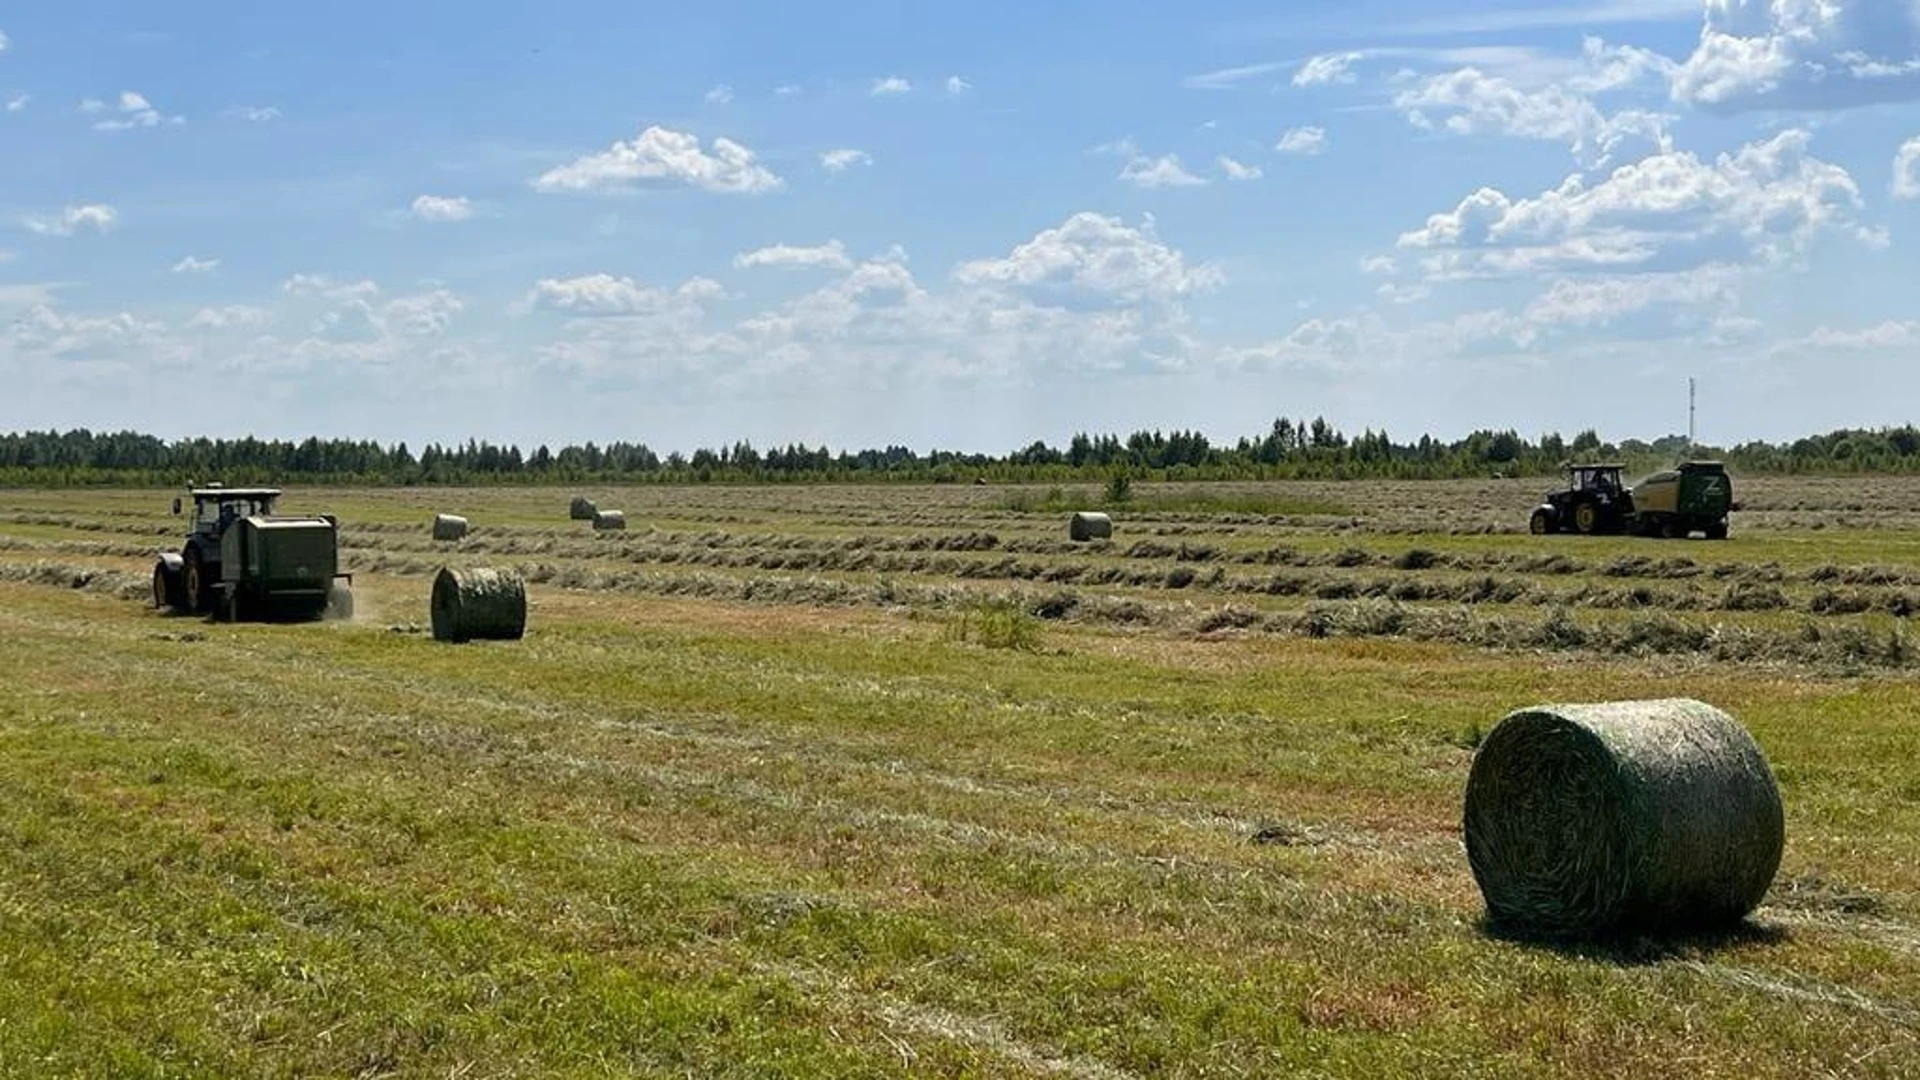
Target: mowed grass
pixel 687 836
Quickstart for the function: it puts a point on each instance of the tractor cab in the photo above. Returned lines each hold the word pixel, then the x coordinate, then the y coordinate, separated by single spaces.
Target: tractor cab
pixel 1595 500
pixel 215 508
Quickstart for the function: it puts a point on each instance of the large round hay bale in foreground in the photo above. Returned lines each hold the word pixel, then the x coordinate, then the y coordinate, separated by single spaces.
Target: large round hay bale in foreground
pixel 479 603
pixel 449 527
pixel 1089 526
pixel 582 509
pixel 609 519
pixel 1631 816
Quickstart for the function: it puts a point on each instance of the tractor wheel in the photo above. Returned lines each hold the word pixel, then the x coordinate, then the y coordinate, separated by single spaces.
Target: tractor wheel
pixel 198 590
pixel 339 603
pixel 1717 531
pixel 1541 523
pixel 1671 529
pixel 162 589
pixel 1586 518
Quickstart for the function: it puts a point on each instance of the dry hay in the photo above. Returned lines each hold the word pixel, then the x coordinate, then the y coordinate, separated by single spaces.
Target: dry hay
pixel 604 520
pixel 582 509
pixel 478 603
pixel 449 527
pixel 1649 816
pixel 1085 526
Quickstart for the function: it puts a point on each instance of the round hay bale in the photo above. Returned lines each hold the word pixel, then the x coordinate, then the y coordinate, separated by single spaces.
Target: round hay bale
pixel 449 527
pixel 582 509
pixel 609 519
pixel 1584 820
pixel 479 603
pixel 1085 526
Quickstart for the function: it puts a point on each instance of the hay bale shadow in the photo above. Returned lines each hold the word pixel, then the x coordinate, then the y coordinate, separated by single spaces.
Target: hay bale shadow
pixel 1641 949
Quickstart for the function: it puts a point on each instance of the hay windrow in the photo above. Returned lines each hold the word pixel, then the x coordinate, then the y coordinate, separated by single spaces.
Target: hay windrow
pixel 1652 816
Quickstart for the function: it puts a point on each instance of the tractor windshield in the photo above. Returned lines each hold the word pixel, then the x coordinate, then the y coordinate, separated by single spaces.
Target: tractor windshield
pixel 213 515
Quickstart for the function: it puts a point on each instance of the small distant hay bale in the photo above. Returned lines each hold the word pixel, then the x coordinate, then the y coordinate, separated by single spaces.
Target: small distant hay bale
pixel 582 509
pixel 604 520
pixel 449 527
pixel 478 603
pixel 1631 816
pixel 1085 526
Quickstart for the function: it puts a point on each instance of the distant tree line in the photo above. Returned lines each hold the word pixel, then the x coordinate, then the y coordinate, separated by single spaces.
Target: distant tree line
pixel 1290 449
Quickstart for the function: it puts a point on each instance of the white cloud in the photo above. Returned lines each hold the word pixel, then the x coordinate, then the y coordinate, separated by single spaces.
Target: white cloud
pixel 1227 78
pixel 422 315
pixel 1379 264
pixel 442 208
pixel 830 255
pixel 1093 256
pixel 720 95
pixel 252 114
pixel 135 112
pixel 92 105
pixel 1302 140
pixel 843 159
pixel 1477 103
pixel 96 216
pixel 230 317
pixel 5 42
pixel 608 296
pixel 957 85
pixel 1326 70
pixel 1803 54
pixel 1768 201
pixel 1163 171
pixel 1237 171
pixel 192 265
pixel 891 85
pixel 18 102
pixel 1690 297
pixel 660 155
pixel 1396 293
pixel 786 90
pixel 1906 182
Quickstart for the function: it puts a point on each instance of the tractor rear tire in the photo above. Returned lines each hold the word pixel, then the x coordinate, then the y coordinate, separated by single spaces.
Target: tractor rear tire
pixel 1717 531
pixel 1586 518
pixel 1541 523
pixel 1671 529
pixel 198 593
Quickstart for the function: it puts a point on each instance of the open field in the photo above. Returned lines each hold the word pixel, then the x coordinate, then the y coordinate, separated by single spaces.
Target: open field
pixel 871 781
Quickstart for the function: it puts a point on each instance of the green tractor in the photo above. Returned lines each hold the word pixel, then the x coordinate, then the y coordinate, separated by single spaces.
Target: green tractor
pixel 1694 496
pixel 243 560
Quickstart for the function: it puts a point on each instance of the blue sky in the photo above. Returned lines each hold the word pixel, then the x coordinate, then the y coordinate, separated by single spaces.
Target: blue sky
pixel 970 227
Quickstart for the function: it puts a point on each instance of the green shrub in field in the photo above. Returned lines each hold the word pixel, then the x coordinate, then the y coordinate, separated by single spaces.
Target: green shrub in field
pixel 1119 488
pixel 996 624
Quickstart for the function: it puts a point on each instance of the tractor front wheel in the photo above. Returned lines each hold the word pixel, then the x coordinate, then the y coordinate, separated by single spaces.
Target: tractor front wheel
pixel 165 590
pixel 1541 524
pixel 1586 518
pixel 1717 531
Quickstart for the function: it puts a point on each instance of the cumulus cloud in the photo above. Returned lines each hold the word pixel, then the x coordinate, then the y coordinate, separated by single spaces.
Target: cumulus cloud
pixel 1302 140
pixel 442 208
pixel 957 85
pixel 604 295
pixel 96 216
pixel 890 86
pixel 830 255
pixel 230 317
pixel 1906 179
pixel 1471 102
pixel 1803 54
pixel 191 265
pixel 1326 69
pixel 661 156
pixel 1768 201
pixel 720 95
pixel 1236 170
pixel 1093 256
pixel 18 102
pixel 1163 171
pixel 835 161
pixel 135 111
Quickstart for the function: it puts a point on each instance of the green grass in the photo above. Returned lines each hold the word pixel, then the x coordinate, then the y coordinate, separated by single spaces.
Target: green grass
pixel 681 835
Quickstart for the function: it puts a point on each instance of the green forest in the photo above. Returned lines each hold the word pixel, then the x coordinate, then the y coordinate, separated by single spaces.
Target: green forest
pixel 1289 450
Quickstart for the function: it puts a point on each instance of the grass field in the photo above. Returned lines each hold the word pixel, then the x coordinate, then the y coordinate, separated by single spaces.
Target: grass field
pixel 876 782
